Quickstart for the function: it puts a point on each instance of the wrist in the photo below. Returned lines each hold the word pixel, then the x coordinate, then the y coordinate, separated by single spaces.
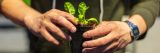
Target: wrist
pixel 139 22
pixel 135 34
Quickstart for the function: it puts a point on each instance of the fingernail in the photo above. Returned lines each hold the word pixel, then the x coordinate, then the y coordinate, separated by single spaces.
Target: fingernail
pixel 85 35
pixel 84 44
pixel 73 29
pixel 56 43
pixel 63 36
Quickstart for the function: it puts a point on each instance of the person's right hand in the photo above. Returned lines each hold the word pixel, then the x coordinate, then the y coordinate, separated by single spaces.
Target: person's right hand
pixel 43 24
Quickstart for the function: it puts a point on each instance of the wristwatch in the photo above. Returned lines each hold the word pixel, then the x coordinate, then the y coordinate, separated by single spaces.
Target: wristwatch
pixel 134 30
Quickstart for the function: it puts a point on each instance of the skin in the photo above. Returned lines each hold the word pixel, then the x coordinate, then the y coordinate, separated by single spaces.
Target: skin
pixel 40 24
pixel 114 36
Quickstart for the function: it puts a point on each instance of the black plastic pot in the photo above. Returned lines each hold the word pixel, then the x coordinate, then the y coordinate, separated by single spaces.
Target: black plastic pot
pixel 77 39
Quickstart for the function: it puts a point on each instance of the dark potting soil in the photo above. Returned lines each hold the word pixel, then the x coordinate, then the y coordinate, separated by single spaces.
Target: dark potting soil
pixel 77 39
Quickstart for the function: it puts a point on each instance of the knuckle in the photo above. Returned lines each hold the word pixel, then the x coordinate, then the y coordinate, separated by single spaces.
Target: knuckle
pixel 50 39
pixel 102 42
pixel 53 10
pixel 104 22
pixel 59 19
pixel 51 13
pixel 56 10
pixel 57 31
pixel 86 35
pixel 47 16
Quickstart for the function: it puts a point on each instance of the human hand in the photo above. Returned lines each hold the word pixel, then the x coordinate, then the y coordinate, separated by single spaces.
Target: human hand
pixel 113 35
pixel 45 24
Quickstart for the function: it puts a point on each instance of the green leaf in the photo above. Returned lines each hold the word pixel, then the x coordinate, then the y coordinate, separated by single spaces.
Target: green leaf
pixel 92 20
pixel 77 20
pixel 85 22
pixel 80 17
pixel 69 7
pixel 82 8
pixel 28 2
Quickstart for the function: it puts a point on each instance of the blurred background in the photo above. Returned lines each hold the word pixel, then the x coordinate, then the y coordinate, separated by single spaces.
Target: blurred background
pixel 13 38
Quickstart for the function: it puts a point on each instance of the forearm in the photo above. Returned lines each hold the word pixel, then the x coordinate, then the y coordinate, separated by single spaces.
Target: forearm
pixel 148 9
pixel 17 10
pixel 144 13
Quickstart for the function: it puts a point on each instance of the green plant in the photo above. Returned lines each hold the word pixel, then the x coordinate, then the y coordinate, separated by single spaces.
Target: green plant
pixel 82 8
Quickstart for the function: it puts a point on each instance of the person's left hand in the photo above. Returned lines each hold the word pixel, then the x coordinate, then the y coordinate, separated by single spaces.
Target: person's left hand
pixel 113 36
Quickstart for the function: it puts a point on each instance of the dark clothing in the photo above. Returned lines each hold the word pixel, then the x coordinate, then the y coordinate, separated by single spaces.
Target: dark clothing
pixel 113 10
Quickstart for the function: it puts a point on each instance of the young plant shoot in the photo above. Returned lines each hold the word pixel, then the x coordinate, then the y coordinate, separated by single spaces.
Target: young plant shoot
pixel 81 19
pixel 84 25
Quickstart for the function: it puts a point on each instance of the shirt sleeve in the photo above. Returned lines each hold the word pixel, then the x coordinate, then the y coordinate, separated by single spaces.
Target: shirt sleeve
pixel 148 9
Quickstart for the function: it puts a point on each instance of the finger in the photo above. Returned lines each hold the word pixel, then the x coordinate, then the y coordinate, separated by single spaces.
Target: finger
pixel 67 16
pixel 53 28
pixel 93 50
pixel 102 49
pixel 56 18
pixel 119 46
pixel 48 37
pixel 123 45
pixel 101 41
pixel 87 50
pixel 101 29
pixel 112 47
pixel 124 42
